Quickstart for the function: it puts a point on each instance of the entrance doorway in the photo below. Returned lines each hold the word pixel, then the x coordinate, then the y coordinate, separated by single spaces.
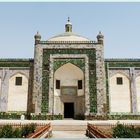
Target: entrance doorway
pixel 68 110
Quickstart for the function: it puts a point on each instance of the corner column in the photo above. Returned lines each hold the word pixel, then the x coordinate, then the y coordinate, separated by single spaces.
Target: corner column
pixel 37 77
pixel 100 74
pixel 133 91
pixel 4 90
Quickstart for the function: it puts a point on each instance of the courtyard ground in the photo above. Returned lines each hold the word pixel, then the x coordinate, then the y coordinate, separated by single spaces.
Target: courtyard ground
pixel 70 128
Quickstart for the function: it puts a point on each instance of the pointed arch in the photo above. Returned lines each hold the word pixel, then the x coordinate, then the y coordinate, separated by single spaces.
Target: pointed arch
pixel 17 94
pixel 19 72
pixel 69 69
pixel 78 63
pixel 120 98
pixel 121 73
pixel 69 75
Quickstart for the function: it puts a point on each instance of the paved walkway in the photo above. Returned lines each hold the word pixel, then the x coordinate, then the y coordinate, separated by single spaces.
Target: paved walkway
pixel 68 134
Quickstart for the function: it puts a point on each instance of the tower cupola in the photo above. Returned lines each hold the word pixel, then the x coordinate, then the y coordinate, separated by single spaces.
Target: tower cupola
pixel 100 38
pixel 68 26
pixel 37 38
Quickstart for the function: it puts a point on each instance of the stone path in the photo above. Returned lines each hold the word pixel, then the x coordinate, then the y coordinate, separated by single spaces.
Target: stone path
pixel 69 134
pixel 69 129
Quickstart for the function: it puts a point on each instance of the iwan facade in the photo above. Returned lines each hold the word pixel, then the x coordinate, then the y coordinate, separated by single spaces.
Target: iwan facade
pixel 69 76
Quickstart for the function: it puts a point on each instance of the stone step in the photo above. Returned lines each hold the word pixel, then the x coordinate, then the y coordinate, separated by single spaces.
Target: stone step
pixel 69 127
pixel 69 134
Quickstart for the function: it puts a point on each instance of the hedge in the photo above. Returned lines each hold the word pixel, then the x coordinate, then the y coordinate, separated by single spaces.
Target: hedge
pixel 31 116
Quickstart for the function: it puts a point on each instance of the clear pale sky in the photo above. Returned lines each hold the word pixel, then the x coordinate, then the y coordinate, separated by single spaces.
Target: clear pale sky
pixel 119 22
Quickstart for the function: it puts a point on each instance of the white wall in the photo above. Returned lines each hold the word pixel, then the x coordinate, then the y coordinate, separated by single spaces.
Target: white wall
pixel 138 92
pixel 69 75
pixel 119 94
pixel 17 95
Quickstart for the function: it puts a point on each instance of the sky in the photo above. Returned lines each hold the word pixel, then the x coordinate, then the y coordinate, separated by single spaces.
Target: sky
pixel 118 22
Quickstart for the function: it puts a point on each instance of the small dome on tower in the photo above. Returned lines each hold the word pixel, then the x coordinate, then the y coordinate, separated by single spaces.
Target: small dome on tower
pixel 100 35
pixel 37 36
pixel 100 38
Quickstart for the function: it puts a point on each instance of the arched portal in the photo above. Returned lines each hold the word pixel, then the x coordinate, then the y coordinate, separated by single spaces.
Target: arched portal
pixel 69 97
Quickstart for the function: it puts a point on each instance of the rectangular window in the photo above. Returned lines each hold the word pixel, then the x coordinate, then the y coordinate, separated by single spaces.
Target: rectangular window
pixel 18 81
pixel 57 84
pixel 119 81
pixel 80 84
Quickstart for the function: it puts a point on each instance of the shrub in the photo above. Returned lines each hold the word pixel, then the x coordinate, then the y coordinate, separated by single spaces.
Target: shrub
pixel 27 129
pixel 46 117
pixel 79 117
pixel 121 131
pixel 56 117
pixel 32 127
pixel 13 115
pixel 6 132
pixel 17 115
pixel 24 131
pixel 17 133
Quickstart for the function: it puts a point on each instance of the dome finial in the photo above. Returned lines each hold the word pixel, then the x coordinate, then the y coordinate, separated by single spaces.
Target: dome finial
pixel 68 19
pixel 68 26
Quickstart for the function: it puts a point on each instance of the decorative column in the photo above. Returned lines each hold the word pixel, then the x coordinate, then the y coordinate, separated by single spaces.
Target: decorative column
pixel 100 75
pixel 37 77
pixel 133 91
pixel 4 90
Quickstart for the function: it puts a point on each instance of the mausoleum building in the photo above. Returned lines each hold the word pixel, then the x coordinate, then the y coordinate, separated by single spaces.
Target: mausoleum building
pixel 70 76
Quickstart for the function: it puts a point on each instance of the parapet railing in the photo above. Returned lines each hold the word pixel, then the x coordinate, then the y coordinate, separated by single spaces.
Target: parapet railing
pixel 43 132
pixel 93 132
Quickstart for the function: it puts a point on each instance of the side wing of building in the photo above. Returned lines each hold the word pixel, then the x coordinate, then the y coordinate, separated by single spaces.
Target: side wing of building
pixel 123 86
pixel 15 84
